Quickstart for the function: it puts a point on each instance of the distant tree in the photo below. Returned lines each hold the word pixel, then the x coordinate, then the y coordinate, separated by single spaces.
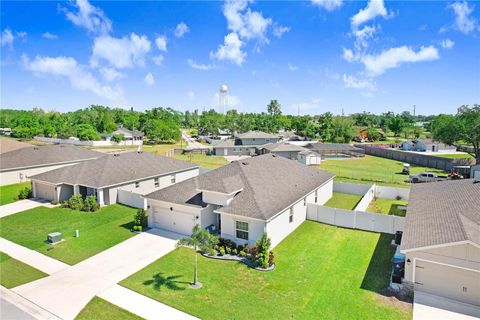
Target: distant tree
pixel 396 124
pixel 463 127
pixel 118 138
pixel 87 132
pixel 373 134
pixel 342 129
pixel 274 108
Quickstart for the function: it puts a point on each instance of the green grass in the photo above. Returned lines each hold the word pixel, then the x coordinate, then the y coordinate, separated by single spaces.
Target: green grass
pixel 98 231
pixel 323 272
pixel 387 206
pixel 203 160
pixel 99 309
pixel 14 273
pixel 455 156
pixel 162 149
pixel 9 193
pixel 343 201
pixel 371 170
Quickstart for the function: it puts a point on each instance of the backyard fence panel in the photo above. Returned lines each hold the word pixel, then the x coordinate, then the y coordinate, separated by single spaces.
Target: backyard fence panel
pixel 350 188
pixel 131 199
pixel 392 193
pixel 398 223
pixel 366 199
pixel 345 218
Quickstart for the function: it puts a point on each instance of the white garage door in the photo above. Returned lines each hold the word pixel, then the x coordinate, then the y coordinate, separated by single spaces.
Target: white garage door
pixel 173 221
pixel 450 282
pixel 44 191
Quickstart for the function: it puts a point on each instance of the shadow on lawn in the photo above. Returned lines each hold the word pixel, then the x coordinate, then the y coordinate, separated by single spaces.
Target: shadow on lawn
pixel 159 280
pixel 128 226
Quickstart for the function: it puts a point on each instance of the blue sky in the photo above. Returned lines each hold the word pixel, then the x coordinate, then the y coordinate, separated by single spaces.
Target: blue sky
pixel 313 56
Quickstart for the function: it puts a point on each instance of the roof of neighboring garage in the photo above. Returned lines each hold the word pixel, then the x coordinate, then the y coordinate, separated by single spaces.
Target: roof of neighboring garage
pixel 307 152
pixel 442 213
pixel 7 145
pixel 37 156
pixel 268 184
pixel 256 135
pixel 333 147
pixel 115 169
pixel 282 146
pixel 226 143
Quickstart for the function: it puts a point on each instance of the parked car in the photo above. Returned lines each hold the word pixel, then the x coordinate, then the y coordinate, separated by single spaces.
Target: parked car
pixel 426 177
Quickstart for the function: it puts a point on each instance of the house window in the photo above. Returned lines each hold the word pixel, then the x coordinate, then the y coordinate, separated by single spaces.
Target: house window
pixel 137 184
pixel 157 183
pixel 316 196
pixel 290 216
pixel 241 230
pixel 305 201
pixel 172 179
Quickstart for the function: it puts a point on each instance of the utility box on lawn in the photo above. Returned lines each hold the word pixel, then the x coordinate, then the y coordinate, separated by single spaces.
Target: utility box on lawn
pixel 54 237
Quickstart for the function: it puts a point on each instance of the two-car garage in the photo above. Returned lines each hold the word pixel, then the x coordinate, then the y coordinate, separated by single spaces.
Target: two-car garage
pixel 173 220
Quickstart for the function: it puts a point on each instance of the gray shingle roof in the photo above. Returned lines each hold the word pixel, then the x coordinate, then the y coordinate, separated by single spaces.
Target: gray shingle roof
pixel 134 133
pixel 282 146
pixel 442 213
pixel 256 135
pixel 45 155
pixel 7 145
pixel 115 169
pixel 270 184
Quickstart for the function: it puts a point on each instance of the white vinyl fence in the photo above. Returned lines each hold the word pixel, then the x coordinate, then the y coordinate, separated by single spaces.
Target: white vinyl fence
pixel 355 219
pixel 366 199
pixel 392 193
pixel 100 143
pixel 131 199
pixel 351 188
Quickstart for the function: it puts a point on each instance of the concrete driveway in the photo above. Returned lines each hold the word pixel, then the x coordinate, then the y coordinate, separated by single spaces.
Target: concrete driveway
pixel 427 307
pixel 66 293
pixel 22 205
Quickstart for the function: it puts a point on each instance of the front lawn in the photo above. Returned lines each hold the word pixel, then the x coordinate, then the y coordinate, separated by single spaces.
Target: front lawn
pixel 387 206
pixel 323 272
pixel 99 309
pixel 343 201
pixel 14 273
pixel 370 169
pixel 9 193
pixel 203 160
pixel 98 231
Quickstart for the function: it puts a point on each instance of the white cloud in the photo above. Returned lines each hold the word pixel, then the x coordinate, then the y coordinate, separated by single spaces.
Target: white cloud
pixel 350 81
pixel 447 44
pixel 125 52
pixel 363 35
pixel 78 76
pixel 463 20
pixel 199 66
pixel 49 36
pixel 246 23
pixel 158 60
pixel 374 9
pixel 328 5
pixel 161 43
pixel 292 67
pixel 181 29
pixel 7 38
pixel 89 17
pixel 149 79
pixel 111 74
pixel 348 55
pixel 279 30
pixel 231 50
pixel 191 95
pixel 392 58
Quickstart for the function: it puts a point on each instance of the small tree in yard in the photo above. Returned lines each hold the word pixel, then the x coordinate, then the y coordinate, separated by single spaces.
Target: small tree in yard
pixel 90 204
pixel 118 138
pixel 76 202
pixel 263 247
pixel 200 239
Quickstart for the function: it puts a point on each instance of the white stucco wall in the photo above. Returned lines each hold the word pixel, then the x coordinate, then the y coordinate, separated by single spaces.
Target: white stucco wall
pixel 12 177
pixel 221 199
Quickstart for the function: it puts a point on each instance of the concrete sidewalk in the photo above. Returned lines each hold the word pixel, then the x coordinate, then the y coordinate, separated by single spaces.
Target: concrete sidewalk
pixel 32 257
pixel 141 305
pixel 22 205
pixel 427 306
pixel 15 307
pixel 66 293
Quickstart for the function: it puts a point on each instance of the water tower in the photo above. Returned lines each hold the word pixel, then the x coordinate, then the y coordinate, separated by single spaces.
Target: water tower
pixel 223 98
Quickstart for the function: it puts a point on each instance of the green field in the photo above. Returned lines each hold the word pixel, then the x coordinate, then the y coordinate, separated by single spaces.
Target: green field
pixel 387 206
pixel 343 201
pixel 371 170
pixel 455 156
pixel 98 230
pixel 322 272
pixel 14 273
pixel 9 193
pixel 99 309
pixel 204 161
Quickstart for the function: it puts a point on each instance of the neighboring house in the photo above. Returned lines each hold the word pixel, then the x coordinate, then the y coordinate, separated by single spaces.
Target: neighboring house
pixel 18 165
pixel 309 157
pixel 441 240
pixel 283 149
pixel 336 150
pixel 243 199
pixel 7 145
pixel 423 145
pixel 131 137
pixel 136 172
pixel 244 144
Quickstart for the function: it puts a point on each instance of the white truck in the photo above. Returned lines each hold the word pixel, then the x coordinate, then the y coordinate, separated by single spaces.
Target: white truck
pixel 426 177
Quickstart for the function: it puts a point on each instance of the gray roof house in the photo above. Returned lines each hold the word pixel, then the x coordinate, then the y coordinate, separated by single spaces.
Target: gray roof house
pixel 18 165
pixel 243 200
pixel 108 176
pixel 244 143
pixel 441 239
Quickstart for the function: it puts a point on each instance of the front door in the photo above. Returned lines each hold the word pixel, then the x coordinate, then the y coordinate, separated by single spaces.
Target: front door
pixel 225 152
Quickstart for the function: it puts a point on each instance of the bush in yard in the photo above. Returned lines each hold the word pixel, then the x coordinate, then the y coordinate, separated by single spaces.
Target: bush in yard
pixel 271 259
pixel 213 252
pixel 25 193
pixel 242 254
pixel 141 218
pixel 90 204
pixel 228 250
pixel 240 248
pixel 221 251
pixel 75 202
pixel 263 245
pixel 234 252
pixel 54 202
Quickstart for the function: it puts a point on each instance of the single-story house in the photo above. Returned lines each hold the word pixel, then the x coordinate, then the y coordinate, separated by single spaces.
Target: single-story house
pixel 135 172
pixel 423 145
pixel 243 199
pixel 309 157
pixel 283 149
pixel 244 143
pixel 18 165
pixel 441 239
pixel 131 137
pixel 336 150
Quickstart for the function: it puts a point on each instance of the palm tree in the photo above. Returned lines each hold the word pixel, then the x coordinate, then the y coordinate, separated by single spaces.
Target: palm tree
pixel 200 239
